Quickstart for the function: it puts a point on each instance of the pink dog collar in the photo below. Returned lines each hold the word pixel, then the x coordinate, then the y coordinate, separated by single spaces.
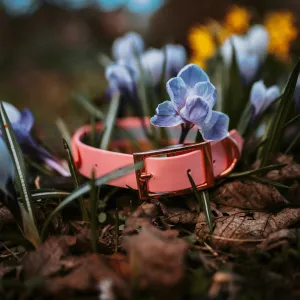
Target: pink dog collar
pixel 165 170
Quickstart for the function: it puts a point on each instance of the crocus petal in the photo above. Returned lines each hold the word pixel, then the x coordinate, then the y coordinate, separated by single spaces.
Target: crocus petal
pixel 192 74
pixel 257 96
pixel 176 59
pixel 196 110
pixel 166 115
pixel 258 41
pixel 248 65
pixel 166 121
pixel 13 114
pixel 27 119
pixel 239 44
pixel 127 46
pixel 119 78
pixel 57 167
pixel 273 92
pixel 152 62
pixel 176 89
pixel 207 91
pixel 216 128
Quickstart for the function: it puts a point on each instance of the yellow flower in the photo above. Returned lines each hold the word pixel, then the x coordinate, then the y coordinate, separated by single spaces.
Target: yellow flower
pixel 237 20
pixel 282 31
pixel 202 44
pixel 198 61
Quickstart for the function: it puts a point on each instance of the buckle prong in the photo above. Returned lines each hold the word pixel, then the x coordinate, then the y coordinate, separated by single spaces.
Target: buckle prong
pixel 143 176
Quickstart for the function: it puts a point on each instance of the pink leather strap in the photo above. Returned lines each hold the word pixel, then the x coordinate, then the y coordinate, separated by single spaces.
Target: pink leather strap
pixel 169 174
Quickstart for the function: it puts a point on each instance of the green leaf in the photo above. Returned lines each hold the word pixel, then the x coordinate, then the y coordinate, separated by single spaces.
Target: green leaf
pixel 110 121
pixel 73 172
pixel 268 181
pixel 291 121
pixel 203 199
pixel 89 106
pixel 45 194
pixel 21 175
pixel 280 118
pixel 234 101
pixel 256 171
pixel 93 212
pixel 64 131
pixel 104 60
pixel 30 230
pixel 245 119
pixel 85 188
pixel 293 143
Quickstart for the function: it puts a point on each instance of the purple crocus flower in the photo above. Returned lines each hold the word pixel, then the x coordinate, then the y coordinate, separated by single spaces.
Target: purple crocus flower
pixel 250 50
pixel 192 99
pixel 125 47
pixel 122 77
pixel 261 97
pixel 22 123
pixel 153 62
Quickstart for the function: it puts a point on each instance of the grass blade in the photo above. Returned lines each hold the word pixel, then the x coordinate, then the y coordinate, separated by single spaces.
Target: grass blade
pixel 36 195
pixel 110 120
pixel 85 188
pixel 73 172
pixel 256 171
pixel 270 182
pixel 291 121
pixel 293 143
pixel 93 212
pixel 89 107
pixel 234 101
pixel 64 131
pixel 21 176
pixel 203 199
pixel 280 117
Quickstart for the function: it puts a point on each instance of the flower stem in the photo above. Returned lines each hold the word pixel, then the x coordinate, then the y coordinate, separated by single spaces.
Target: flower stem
pixel 184 132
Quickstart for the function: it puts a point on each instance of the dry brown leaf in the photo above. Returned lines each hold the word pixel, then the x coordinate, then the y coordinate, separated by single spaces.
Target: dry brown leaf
pixel 242 229
pixel 156 261
pixel 247 194
pixel 142 216
pixel 46 260
pixel 91 271
pixel 289 172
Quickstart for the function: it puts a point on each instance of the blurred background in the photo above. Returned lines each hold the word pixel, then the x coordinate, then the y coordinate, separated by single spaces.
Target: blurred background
pixel 50 48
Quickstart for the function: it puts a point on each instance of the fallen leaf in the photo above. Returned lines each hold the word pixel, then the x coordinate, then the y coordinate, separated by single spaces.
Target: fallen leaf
pixel 90 272
pixel 247 194
pixel 242 229
pixel 287 173
pixel 46 260
pixel 156 261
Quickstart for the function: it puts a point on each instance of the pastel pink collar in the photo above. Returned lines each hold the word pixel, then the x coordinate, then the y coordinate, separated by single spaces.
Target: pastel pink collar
pixel 166 174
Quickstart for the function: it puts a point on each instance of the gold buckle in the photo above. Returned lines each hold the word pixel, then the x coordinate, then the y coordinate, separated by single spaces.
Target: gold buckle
pixel 142 176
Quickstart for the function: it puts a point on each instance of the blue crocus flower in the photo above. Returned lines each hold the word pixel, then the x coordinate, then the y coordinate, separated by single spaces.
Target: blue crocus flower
pixel 123 78
pixel 125 47
pixel 153 62
pixel 22 123
pixel 250 51
pixel 261 97
pixel 192 99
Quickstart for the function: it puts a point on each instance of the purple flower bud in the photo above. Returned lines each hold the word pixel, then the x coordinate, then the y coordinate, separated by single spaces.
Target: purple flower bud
pixel 123 78
pixel 153 62
pixel 127 46
pixel 22 123
pixel 261 97
pixel 192 99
